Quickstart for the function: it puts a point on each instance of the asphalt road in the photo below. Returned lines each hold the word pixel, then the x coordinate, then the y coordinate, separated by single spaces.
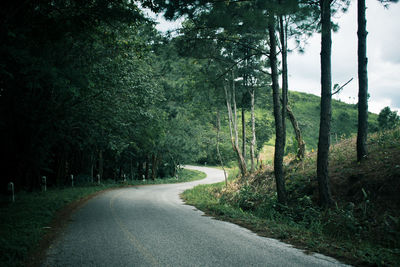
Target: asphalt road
pixel 151 226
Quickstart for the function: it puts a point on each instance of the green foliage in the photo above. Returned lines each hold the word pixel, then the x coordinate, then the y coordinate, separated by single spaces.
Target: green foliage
pixel 388 119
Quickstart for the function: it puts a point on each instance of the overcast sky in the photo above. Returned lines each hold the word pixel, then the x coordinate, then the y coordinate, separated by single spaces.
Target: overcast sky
pixel 382 51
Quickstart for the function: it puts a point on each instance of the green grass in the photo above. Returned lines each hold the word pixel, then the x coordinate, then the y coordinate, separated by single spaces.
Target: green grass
pixel 24 222
pixel 362 229
pixel 270 222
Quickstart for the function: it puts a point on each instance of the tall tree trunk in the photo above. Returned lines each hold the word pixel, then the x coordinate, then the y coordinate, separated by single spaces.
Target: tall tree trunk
pixel 218 151
pixel 326 109
pixel 92 162
pixel 253 131
pixel 243 134
pixel 301 146
pixel 101 164
pixel 362 82
pixel 147 169
pixel 285 83
pixel 239 153
pixel 235 127
pixel 154 163
pixel 131 169
pixel 140 169
pixel 279 143
pixel 286 111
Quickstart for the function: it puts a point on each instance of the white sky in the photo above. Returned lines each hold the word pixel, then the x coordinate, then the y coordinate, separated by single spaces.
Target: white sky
pixel 382 51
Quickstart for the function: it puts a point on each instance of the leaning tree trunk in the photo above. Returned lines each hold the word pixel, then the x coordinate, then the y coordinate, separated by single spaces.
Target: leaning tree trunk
pixel 362 82
pixel 279 143
pixel 301 146
pixel 285 89
pixel 326 109
pixel 218 151
pixel 233 127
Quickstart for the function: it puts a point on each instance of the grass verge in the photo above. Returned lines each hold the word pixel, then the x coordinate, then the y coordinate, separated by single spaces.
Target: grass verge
pixel 28 225
pixel 362 229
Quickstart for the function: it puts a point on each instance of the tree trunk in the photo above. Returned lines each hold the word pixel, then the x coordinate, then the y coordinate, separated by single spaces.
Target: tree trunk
pixel 154 163
pixel 285 90
pixel 239 153
pixel 235 127
pixel 243 134
pixel 279 143
pixel 326 109
pixel 60 167
pixel 147 169
pixel 285 83
pixel 301 146
pixel 101 162
pixel 92 162
pixel 362 82
pixel 140 169
pixel 131 169
pixel 218 151
pixel 234 139
pixel 253 131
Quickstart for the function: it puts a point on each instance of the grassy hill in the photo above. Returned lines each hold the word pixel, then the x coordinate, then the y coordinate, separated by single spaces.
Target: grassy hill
pixel 306 108
pixel 344 118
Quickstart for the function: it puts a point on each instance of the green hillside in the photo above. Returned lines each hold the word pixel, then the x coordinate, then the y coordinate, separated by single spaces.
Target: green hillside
pixel 306 109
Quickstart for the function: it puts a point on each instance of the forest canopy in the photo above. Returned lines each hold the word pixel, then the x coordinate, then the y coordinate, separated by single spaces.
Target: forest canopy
pixel 92 88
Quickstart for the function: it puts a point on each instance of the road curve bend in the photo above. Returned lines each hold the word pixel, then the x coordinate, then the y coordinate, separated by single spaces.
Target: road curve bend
pixel 151 226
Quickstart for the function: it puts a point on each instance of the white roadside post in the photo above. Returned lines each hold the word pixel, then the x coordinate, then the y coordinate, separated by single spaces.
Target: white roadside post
pixel 98 178
pixel 144 179
pixel 44 183
pixel 72 180
pixel 124 177
pixel 11 188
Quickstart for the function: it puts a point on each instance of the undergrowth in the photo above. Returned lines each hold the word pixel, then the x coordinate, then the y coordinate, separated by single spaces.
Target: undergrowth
pixel 363 228
pixel 24 222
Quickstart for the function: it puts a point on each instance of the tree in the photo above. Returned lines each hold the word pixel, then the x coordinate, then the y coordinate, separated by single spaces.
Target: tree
pixel 388 119
pixel 362 82
pixel 230 97
pixel 362 131
pixel 326 108
pixel 279 142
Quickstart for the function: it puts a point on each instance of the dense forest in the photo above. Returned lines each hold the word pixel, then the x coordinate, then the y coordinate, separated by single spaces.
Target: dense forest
pixel 91 88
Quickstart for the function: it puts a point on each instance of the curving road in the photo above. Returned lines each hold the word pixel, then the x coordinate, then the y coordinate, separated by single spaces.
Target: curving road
pixel 151 226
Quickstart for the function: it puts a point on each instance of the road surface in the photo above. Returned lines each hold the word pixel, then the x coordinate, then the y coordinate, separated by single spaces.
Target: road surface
pixel 151 226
